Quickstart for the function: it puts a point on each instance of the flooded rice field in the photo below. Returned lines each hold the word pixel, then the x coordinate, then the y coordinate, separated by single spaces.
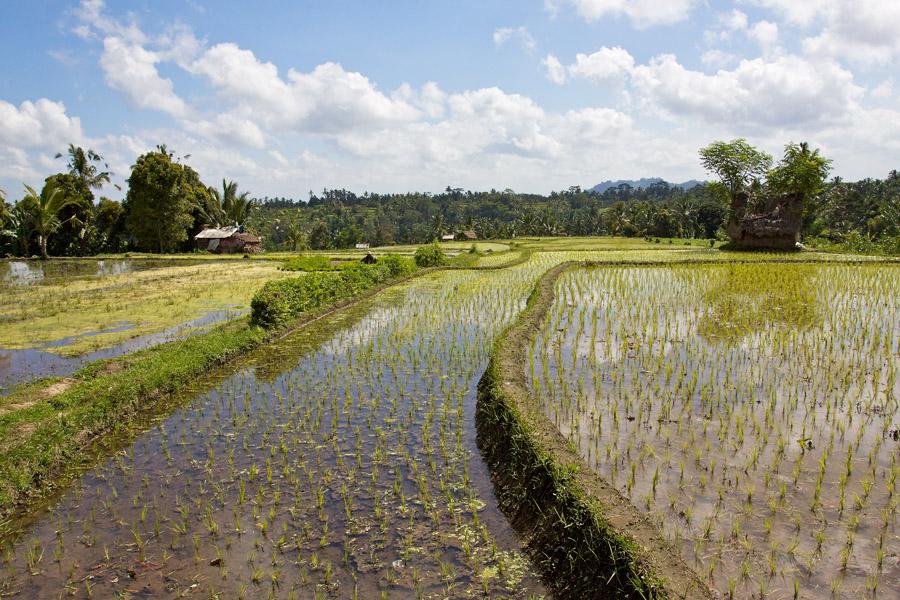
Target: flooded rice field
pixel 58 315
pixel 24 365
pixel 37 272
pixel 341 462
pixel 750 410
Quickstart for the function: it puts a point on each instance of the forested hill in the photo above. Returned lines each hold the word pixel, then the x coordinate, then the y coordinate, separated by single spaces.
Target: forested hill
pixel 643 182
pixel 339 218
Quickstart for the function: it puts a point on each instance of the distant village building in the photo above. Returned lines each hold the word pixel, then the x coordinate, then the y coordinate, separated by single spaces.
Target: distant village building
pixel 449 237
pixel 362 246
pixel 466 235
pixel 228 240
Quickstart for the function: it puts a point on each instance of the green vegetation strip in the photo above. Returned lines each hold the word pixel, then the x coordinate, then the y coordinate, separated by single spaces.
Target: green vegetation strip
pixel 585 538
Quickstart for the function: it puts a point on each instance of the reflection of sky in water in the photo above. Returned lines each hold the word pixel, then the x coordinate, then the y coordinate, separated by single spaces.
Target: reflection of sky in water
pixel 22 273
pixel 18 366
pixel 31 272
pixel 113 267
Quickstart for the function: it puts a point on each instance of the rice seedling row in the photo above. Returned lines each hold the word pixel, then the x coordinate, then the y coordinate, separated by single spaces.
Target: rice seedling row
pixel 751 410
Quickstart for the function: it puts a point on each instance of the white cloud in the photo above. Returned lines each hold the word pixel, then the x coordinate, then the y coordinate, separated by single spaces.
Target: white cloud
pixel 604 66
pixel 230 128
pixel 883 90
pixel 787 91
pixel 735 21
pixel 863 31
pixel 642 13
pixel 504 34
pixel 556 72
pixel 42 125
pixel 131 69
pixel 717 59
pixel 765 33
pixel 799 12
pixel 328 100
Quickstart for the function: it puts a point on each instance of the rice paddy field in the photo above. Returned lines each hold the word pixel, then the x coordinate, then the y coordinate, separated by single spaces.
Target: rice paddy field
pixel 751 410
pixel 342 463
pixel 749 407
pixel 57 315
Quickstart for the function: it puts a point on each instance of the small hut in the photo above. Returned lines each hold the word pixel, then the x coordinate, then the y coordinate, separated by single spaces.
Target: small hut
pixel 448 237
pixel 775 227
pixel 228 240
pixel 467 235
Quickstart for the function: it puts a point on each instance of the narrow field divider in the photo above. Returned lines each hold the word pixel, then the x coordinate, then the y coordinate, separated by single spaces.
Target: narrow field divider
pixel 585 538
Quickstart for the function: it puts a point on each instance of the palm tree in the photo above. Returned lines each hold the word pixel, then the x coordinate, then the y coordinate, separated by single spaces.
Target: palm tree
pixel 227 206
pixel 80 165
pixel 437 226
pixel 44 209
pixel 293 235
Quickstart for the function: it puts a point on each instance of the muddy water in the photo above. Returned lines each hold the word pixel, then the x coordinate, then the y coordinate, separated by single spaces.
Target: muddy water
pixel 752 411
pixel 340 463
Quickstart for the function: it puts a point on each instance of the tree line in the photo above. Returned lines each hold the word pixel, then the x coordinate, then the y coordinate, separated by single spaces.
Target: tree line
pixel 166 204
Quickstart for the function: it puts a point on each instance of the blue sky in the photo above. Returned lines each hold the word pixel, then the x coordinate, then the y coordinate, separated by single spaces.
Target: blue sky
pixel 399 96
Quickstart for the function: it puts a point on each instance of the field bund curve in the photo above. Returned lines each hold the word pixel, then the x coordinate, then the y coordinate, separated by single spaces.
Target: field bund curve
pixel 586 539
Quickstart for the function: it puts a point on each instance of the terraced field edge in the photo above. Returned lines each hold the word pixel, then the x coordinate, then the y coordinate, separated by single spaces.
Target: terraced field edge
pixel 586 540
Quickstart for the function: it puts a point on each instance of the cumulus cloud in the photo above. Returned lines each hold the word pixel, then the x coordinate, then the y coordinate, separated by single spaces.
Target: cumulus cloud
pixel 131 69
pixel 642 13
pixel 556 72
pixel 605 65
pixel 504 34
pixel 883 90
pixel 327 100
pixel 42 125
pixel 717 59
pixel 784 92
pixel 230 128
pixel 864 32
pixel 765 33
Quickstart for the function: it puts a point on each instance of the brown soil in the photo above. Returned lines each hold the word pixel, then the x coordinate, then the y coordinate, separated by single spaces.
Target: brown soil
pixel 587 539
pixel 59 387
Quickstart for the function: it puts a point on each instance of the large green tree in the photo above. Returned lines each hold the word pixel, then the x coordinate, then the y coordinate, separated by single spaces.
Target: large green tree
pixel 735 163
pixel 160 198
pixel 110 222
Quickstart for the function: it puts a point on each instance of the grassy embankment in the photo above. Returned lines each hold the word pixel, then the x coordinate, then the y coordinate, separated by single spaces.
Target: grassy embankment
pixel 587 540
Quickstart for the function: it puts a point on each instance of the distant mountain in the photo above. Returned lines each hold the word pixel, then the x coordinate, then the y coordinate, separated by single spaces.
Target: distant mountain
pixel 641 183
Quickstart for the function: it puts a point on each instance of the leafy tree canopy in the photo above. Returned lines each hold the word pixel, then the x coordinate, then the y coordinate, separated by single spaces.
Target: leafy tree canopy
pixel 161 195
pixel 735 163
pixel 800 171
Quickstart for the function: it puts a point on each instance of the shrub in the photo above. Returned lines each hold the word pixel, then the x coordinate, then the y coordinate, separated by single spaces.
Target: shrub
pixel 307 263
pixel 280 301
pixel 431 255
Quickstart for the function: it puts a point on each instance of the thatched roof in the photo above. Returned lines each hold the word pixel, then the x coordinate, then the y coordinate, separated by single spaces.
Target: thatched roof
pixel 248 238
